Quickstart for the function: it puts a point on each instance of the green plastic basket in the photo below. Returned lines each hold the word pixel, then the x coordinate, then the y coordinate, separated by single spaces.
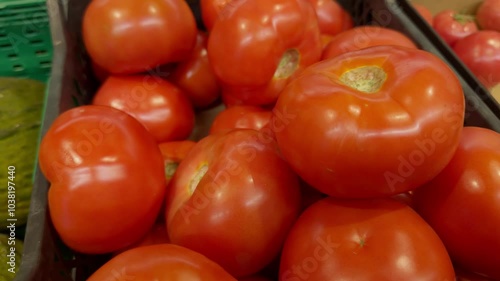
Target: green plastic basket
pixel 25 40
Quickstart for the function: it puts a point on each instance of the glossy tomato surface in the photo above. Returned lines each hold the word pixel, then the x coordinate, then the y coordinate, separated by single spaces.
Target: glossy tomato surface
pixel 379 239
pixel 365 36
pixel 128 36
pixel 233 199
pixel 376 122
pixel 480 51
pixel 452 26
pixel 105 172
pixel 196 77
pixel 463 202
pixel 158 104
pixel 163 262
pixel 256 47
pixel 488 15
pixel 242 117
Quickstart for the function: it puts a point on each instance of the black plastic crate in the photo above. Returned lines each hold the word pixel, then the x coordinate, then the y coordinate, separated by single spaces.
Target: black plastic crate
pixel 72 83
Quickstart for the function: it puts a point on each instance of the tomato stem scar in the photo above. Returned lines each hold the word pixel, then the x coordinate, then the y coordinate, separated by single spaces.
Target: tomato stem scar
pixel 367 79
pixel 288 64
pixel 200 173
pixel 170 168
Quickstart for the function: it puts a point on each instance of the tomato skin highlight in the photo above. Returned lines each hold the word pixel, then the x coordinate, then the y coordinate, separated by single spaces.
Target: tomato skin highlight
pixel 265 33
pixel 352 144
pixel 159 105
pixel 462 203
pixel 128 36
pixel 94 182
pixel 233 199
pixel 160 262
pixel 374 239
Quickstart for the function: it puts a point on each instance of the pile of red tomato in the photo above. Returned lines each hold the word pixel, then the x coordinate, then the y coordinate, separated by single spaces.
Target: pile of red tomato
pixel 475 38
pixel 339 152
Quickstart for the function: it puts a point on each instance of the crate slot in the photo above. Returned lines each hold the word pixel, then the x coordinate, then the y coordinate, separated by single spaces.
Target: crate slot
pixel 41 53
pixel 12 56
pixel 5 46
pixel 45 64
pixel 18 67
pixel 36 42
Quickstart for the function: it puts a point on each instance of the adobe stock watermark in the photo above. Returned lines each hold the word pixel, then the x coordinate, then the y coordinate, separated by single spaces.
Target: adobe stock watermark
pixel 232 168
pixel 424 148
pixel 302 270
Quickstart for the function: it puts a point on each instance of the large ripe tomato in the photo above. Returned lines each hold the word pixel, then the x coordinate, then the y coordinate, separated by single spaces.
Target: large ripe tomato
pixel 158 104
pixel 242 117
pixel 463 204
pixel 365 36
pixel 233 199
pixel 332 18
pixel 380 239
pixel 160 262
pixel 129 36
pixel 195 76
pixel 452 26
pixel 375 122
pixel 480 51
pixel 257 46
pixel 488 15
pixel 105 172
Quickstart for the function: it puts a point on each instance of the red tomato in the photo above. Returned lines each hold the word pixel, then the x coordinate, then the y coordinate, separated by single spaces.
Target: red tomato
pixel 138 35
pixel 158 104
pixel 375 122
pixel 480 51
pixel 256 47
pixel 463 204
pixel 196 77
pixel 211 11
pixel 488 15
pixel 242 117
pixel 452 26
pixel 424 12
pixel 160 262
pixel 106 173
pixel 378 239
pixel 332 18
pixel 233 199
pixel 173 153
pixel 365 36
